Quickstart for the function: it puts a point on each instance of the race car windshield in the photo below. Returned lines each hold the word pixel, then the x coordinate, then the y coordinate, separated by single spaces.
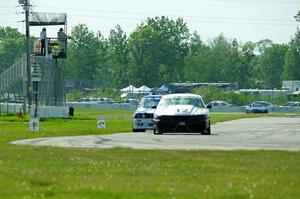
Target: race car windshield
pixel 183 101
pixel 149 102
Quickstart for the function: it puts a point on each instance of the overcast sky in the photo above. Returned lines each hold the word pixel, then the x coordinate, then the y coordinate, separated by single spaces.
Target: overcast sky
pixel 245 20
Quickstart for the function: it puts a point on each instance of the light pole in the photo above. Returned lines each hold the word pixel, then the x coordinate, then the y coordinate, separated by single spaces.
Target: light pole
pixel 28 89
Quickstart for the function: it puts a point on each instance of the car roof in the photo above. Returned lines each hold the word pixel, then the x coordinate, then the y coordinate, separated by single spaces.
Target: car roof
pixel 181 95
pixel 218 101
pixel 152 96
pixel 262 102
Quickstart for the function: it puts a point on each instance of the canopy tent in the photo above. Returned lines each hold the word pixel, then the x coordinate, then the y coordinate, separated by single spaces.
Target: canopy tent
pixel 129 89
pixel 296 93
pixel 144 89
pixel 46 18
pixel 164 88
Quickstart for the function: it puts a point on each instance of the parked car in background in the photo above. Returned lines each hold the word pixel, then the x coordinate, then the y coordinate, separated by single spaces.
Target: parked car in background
pixel 181 113
pixel 218 103
pixel 105 100
pixel 143 116
pixel 89 100
pixel 130 101
pixel 259 107
pixel 291 104
pixel 95 100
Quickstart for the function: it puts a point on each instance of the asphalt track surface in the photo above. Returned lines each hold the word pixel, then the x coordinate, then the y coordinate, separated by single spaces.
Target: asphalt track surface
pixel 267 133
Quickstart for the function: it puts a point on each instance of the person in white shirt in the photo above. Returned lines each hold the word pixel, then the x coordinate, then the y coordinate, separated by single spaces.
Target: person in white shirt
pixel 62 39
pixel 43 36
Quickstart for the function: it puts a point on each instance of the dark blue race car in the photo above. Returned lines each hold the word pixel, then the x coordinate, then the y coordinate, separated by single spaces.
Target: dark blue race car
pixel 258 107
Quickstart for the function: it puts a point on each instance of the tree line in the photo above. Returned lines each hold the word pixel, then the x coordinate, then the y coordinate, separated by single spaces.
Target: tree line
pixel 162 50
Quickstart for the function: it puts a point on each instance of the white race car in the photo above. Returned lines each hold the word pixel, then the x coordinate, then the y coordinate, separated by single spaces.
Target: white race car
pixel 182 113
pixel 143 116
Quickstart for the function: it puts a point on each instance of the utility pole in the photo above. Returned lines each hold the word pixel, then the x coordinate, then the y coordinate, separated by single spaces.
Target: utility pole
pixel 28 65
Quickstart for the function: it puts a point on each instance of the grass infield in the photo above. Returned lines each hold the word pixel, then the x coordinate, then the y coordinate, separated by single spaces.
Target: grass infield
pixel 47 172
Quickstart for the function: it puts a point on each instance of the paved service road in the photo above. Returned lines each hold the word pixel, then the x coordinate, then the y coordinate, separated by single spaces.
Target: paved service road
pixel 268 133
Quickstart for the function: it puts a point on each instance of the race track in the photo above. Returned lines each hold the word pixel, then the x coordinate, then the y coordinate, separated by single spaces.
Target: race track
pixel 268 133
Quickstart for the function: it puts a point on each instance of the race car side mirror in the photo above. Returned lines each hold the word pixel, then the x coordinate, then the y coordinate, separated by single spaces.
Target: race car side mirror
pixel 209 106
pixel 154 107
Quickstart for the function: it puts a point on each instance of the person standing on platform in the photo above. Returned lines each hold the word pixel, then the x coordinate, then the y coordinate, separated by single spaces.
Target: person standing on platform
pixel 62 39
pixel 43 37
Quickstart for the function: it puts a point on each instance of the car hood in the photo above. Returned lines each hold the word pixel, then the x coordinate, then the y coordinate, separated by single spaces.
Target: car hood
pixel 178 110
pixel 144 110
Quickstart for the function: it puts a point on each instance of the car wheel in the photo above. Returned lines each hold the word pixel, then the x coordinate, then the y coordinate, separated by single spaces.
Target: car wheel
pixel 206 131
pixel 157 132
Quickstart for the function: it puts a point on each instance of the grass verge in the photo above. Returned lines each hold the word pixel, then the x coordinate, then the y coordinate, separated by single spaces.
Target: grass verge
pixel 46 172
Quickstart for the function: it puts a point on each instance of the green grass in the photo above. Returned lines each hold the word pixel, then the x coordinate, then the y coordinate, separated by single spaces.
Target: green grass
pixel 46 172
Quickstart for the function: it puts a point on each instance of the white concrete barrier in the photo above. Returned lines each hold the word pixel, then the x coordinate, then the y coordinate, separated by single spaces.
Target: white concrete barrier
pixel 50 111
pixel 42 111
pixel 53 111
pixel 10 108
pixel 102 106
pixel 227 109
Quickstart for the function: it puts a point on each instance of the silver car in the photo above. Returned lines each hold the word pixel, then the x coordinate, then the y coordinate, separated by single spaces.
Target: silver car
pixel 143 116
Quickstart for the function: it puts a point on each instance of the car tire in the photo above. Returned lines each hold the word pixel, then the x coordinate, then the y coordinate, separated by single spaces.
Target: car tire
pixel 206 131
pixel 157 132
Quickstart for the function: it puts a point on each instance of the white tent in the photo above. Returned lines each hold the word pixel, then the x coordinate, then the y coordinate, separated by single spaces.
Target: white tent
pixel 144 89
pixel 296 93
pixel 129 89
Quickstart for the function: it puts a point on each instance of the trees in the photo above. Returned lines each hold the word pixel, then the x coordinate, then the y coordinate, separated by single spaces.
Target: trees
pixel 86 57
pixel 271 63
pixel 144 63
pixel 197 62
pixel 223 60
pixel 160 51
pixel 263 44
pixel 212 63
pixel 246 65
pixel 157 50
pixel 292 59
pixel 118 57
pixel 297 17
pixel 12 46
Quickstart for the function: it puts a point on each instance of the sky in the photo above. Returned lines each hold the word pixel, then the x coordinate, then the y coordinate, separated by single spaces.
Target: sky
pixel 244 20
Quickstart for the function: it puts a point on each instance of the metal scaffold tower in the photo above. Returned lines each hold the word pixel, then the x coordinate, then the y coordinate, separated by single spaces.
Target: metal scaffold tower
pixel 50 86
pixel 36 80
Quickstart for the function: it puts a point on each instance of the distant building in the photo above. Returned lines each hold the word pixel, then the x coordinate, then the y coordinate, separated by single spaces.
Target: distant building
pixel 265 93
pixel 292 86
pixel 188 86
